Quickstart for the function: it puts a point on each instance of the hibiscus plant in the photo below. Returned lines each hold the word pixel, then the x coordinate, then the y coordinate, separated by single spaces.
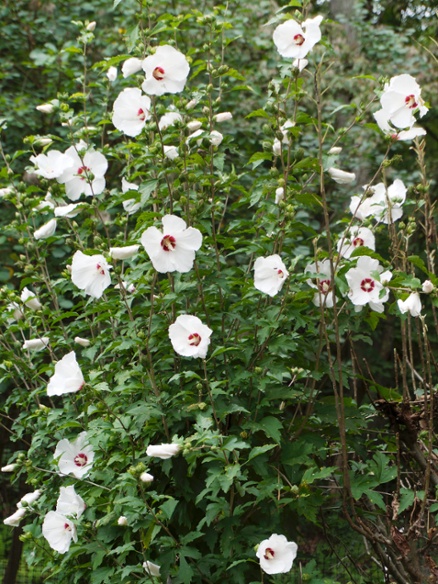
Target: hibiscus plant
pixel 216 350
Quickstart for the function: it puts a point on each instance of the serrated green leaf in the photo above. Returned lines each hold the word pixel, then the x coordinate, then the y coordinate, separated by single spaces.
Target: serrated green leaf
pixel 168 507
pixel 377 499
pixel 312 474
pixel 271 427
pixel 407 498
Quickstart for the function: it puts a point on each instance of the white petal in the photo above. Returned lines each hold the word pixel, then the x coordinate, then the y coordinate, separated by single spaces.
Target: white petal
pixel 36 344
pixel 70 503
pixel 163 451
pixel 67 378
pixel 59 531
pixel 47 230
pixel 90 273
pixel 123 253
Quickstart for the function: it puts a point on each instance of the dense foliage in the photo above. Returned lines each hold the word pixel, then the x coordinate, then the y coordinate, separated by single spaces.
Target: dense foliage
pixel 293 406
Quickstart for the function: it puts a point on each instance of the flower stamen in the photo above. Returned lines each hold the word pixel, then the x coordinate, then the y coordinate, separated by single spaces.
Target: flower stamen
pixel 299 39
pixel 194 339
pixel 158 73
pixel 100 269
pixel 168 243
pixel 324 286
pixel 358 241
pixel 367 285
pixel 80 459
pixel 83 170
pixel 269 554
pixel 411 102
pixel 141 115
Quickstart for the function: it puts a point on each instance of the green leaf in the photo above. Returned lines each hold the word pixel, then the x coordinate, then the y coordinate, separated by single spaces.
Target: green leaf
pixel 259 157
pixel 380 466
pixel 360 484
pixel 258 114
pixel 168 507
pixel 377 499
pixel 257 450
pixel 419 263
pixel 146 189
pixel 185 572
pixel 407 498
pixel 308 199
pixel 132 38
pixel 271 427
pixel 312 474
pixel 387 393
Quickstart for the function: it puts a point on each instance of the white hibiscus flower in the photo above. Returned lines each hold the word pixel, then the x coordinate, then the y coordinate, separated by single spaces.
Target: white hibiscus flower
pixel 166 71
pixel 90 273
pixel 131 111
pixel 172 249
pixel 294 40
pixel 189 336
pixel 270 274
pixel 75 457
pixel 276 554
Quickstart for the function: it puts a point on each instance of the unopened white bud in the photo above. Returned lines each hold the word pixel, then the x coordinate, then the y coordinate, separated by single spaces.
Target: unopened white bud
pixel 82 342
pixel 45 108
pixel 223 117
pixel 427 287
pixel 145 477
pixel 194 125
pixel 112 74
pixel 122 521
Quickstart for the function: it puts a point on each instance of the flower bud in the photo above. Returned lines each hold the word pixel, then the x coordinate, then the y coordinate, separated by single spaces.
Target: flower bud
pixel 145 477
pixel 341 177
pixel 215 138
pixel 194 125
pixel 91 26
pixel 427 287
pixel 82 342
pixel 122 521
pixel 223 117
pixel 170 152
pixel 279 195
pixel 112 74
pixel 45 108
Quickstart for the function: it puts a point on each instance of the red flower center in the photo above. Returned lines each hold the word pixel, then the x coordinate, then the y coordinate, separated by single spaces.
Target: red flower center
pixel 410 101
pixel 358 241
pixel 324 286
pixel 80 459
pixel 100 269
pixel 299 39
pixel 158 73
pixel 269 554
pixel 367 285
pixel 67 527
pixel 280 273
pixel 141 115
pixel 194 339
pixel 168 243
pixel 83 170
